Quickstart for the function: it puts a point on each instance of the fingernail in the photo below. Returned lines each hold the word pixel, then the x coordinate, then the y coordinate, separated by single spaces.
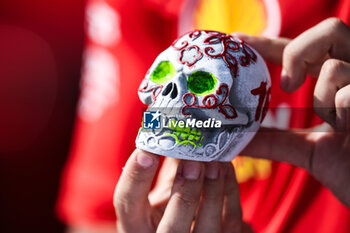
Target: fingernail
pixel 191 170
pixel 144 160
pixel 284 80
pixel 212 171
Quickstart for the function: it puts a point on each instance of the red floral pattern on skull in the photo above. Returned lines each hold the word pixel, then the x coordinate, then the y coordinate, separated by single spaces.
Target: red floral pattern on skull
pixel 228 44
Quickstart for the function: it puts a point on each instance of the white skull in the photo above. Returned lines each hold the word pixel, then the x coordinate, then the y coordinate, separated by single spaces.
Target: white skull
pixel 205 76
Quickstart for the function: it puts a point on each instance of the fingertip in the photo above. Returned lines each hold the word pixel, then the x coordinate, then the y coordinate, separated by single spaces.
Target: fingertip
pixel 294 63
pixel 145 159
pixel 212 170
pixel 249 39
pixel 342 106
pixel 291 82
pixel 284 80
pixel 191 170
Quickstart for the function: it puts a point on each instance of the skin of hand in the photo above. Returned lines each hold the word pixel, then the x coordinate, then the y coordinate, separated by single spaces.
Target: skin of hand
pixel 323 52
pixel 188 196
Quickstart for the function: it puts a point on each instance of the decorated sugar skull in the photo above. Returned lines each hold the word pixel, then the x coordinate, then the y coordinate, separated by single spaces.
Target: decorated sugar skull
pixel 207 95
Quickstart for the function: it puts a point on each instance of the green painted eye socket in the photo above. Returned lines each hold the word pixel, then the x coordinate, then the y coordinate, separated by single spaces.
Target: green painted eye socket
pixel 163 72
pixel 201 83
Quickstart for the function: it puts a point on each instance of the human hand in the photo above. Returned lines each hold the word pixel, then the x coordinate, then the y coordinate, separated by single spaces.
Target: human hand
pixel 323 52
pixel 188 197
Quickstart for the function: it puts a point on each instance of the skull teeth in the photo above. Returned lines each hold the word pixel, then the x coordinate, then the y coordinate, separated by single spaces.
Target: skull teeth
pixel 188 135
pixel 185 135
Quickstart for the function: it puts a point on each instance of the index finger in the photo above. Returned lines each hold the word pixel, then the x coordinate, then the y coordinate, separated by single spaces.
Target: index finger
pixel 282 145
pixel 270 49
pixel 306 53
pixel 330 38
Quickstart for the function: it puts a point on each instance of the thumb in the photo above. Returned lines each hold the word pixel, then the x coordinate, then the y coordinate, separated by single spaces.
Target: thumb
pixel 131 193
pixel 281 145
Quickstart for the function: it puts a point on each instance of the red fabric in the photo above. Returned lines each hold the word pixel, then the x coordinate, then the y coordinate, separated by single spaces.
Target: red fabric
pixel 101 147
pixel 289 200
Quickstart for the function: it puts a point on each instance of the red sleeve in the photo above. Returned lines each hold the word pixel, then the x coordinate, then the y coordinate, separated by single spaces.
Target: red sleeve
pixel 344 11
pixel 119 50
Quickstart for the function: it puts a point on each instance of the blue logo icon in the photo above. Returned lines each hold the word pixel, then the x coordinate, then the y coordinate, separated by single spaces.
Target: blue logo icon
pixel 151 120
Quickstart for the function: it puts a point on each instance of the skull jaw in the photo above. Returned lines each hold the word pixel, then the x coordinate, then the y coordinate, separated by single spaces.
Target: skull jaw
pixel 227 144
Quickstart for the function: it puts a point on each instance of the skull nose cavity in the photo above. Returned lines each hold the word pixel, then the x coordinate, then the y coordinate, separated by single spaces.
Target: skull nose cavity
pixel 167 89
pixel 174 92
pixel 172 89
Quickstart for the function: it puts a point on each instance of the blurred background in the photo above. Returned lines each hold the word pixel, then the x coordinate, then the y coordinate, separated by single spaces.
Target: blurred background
pixel 41 45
